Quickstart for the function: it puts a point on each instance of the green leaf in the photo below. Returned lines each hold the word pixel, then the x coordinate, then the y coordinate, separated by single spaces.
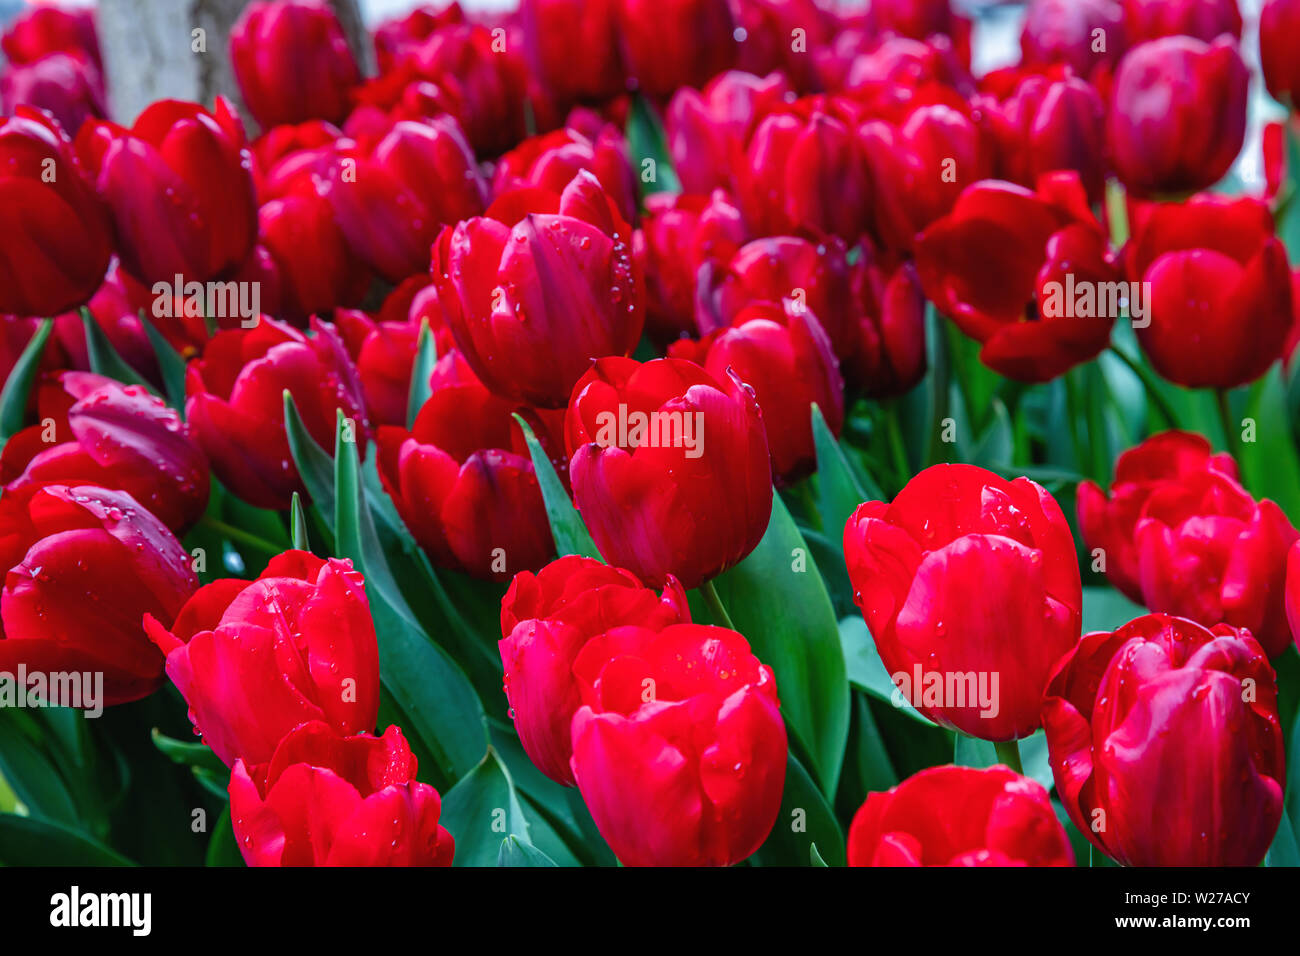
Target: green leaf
pixel 104 359
pixel 426 357
pixel 778 601
pixel 867 672
pixel 515 852
pixel 170 364
pixel 314 464
pixel 30 772
pixel 646 140
pixel 815 858
pixel 480 810
pixel 1105 609
pixel 1269 465
pixel 298 522
pixel 1284 850
pixel 18 386
pixel 805 818
pixel 571 535
pixel 972 752
pixel 839 492
pixel 187 754
pixel 26 841
pixel 222 848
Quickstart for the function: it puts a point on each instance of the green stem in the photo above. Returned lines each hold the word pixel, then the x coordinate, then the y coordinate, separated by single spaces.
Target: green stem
pixel 242 536
pixel 894 436
pixel 1225 419
pixel 1151 384
pixel 720 615
pixel 1009 753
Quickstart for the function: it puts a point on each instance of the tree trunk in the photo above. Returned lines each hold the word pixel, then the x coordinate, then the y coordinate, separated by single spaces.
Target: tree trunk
pixel 179 49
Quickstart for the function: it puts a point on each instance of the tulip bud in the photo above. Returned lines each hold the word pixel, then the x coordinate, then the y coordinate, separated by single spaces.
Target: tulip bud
pixel 552 160
pixel 42 29
pixel 327 799
pixel 573 46
pixel 1178 114
pixel 67 85
pixel 971 590
pixel 670 468
pixel 235 404
pixel 679 749
pixel 292 62
pixel 1165 743
pixel 254 659
pixel 55 240
pixel 1279 28
pixel 1203 19
pixel 546 620
pixel 679 43
pixel 1085 35
pixel 959 816
pixel 84 566
pixel 890 355
pixel 539 287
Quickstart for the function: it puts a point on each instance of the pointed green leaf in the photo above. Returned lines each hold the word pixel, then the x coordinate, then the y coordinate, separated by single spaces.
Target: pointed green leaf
pixel 515 852
pixel 170 364
pixel 481 810
pixel 805 818
pixel 298 524
pixel 571 535
pixel 314 464
pixel 104 359
pixel 426 357
pixel 18 386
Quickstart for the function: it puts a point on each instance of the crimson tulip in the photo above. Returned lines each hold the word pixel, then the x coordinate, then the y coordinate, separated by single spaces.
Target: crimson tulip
pixel 771 42
pixel 235 403
pixel 95 431
pixel 179 188
pixel 539 287
pixel 392 200
pixel 1178 114
pixel 573 45
pixel 1220 299
pixel 1066 32
pixel 67 85
pixel 1165 743
pixel 384 354
pixel 292 62
pixel 889 358
pixel 970 587
pixel 679 749
pixel 546 620
pixel 670 468
pixel 675 43
pixel 1279 26
pixel 1109 524
pixel 462 479
pixel 1010 267
pixel 959 816
pixel 55 237
pixel 84 565
pixel 922 19
pixel 42 29
pixel 680 233
pixel 1203 19
pixel 254 659
pixel 329 799
pixel 550 161
pixel 781 351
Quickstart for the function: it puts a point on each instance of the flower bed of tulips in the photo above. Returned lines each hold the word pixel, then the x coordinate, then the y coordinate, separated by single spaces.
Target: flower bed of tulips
pixel 692 433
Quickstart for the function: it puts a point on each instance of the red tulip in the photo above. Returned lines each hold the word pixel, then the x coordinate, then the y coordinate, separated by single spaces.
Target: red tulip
pixel 546 620
pixel 959 816
pixel 671 43
pixel 67 85
pixel 1009 267
pixel 84 565
pixel 920 166
pixel 254 659
pixel 805 173
pixel 539 287
pixel 1203 19
pixel 326 799
pixel 781 351
pixel 1066 32
pixel 707 130
pixel 670 468
pixel 1220 289
pixel 179 187
pixel 1178 114
pixel 679 749
pixel 40 30
pixel 1109 525
pixel 818 275
pixel 922 19
pixel 462 479
pixel 552 160
pixel 392 200
pixel 1165 744
pixel 1205 549
pixel 235 403
pixel 971 590
pixel 772 43
pixel 1279 28
pixel 384 354
pixel 292 62
pixel 1051 124
pixel 680 233
pixel 396 37
pixel 890 354
pixel 573 46
pixel 95 431
pixel 55 240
